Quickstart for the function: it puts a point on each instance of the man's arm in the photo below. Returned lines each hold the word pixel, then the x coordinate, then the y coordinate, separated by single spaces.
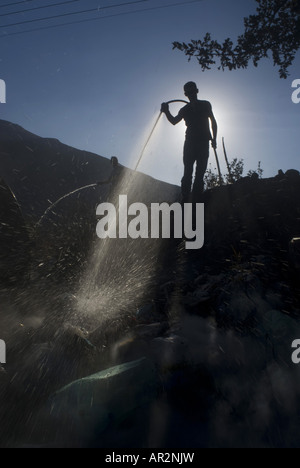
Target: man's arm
pixel 214 127
pixel 173 120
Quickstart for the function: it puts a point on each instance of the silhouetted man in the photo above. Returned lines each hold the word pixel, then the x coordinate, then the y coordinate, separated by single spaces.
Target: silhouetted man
pixel 197 115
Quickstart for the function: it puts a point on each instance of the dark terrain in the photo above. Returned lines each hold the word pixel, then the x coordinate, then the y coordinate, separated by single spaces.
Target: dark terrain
pixel 141 343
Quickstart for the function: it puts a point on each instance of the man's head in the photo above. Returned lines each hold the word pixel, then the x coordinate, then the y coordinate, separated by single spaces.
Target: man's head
pixel 191 90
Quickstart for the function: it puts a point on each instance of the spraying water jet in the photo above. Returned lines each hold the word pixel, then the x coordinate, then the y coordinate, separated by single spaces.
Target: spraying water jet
pixel 50 208
pixel 153 130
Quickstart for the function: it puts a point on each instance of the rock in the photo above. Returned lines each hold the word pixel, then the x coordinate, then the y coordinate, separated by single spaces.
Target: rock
pixel 169 352
pixel 147 313
pixel 204 290
pixel 128 349
pixel 73 339
pixel 152 330
pixel 104 400
pixel 293 175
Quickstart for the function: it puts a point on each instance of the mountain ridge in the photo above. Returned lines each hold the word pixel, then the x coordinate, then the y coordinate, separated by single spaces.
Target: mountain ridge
pixel 41 170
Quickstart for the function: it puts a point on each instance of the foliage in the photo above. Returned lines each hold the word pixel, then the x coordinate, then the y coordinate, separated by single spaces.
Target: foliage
pixel 274 29
pixel 259 171
pixel 236 170
pixel 211 178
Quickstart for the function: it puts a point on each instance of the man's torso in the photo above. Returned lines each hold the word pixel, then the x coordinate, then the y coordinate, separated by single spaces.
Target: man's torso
pixel 196 117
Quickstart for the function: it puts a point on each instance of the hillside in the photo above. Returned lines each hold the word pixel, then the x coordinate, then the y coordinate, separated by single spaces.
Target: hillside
pixel 41 170
pixel 37 172
pixel 142 343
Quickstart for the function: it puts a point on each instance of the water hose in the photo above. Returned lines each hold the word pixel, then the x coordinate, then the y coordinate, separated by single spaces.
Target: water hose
pixel 177 100
pixel 152 131
pixel 51 207
pixel 227 163
pixel 219 168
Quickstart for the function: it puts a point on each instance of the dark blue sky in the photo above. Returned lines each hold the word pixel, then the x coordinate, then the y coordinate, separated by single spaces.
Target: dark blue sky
pixel 98 85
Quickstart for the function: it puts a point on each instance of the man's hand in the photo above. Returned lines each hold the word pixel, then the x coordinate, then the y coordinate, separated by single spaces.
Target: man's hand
pixel 164 107
pixel 173 120
pixel 214 143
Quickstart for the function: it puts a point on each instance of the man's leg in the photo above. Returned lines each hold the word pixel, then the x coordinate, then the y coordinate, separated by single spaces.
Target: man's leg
pixel 188 161
pixel 202 162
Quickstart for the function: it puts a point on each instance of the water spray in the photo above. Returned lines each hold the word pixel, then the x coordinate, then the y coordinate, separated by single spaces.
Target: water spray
pixel 50 208
pixel 152 131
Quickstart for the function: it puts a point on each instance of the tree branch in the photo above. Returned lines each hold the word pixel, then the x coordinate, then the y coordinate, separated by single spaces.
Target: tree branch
pixel 275 28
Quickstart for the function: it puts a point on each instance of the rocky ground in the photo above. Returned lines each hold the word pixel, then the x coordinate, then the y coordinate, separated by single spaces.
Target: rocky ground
pixel 178 349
